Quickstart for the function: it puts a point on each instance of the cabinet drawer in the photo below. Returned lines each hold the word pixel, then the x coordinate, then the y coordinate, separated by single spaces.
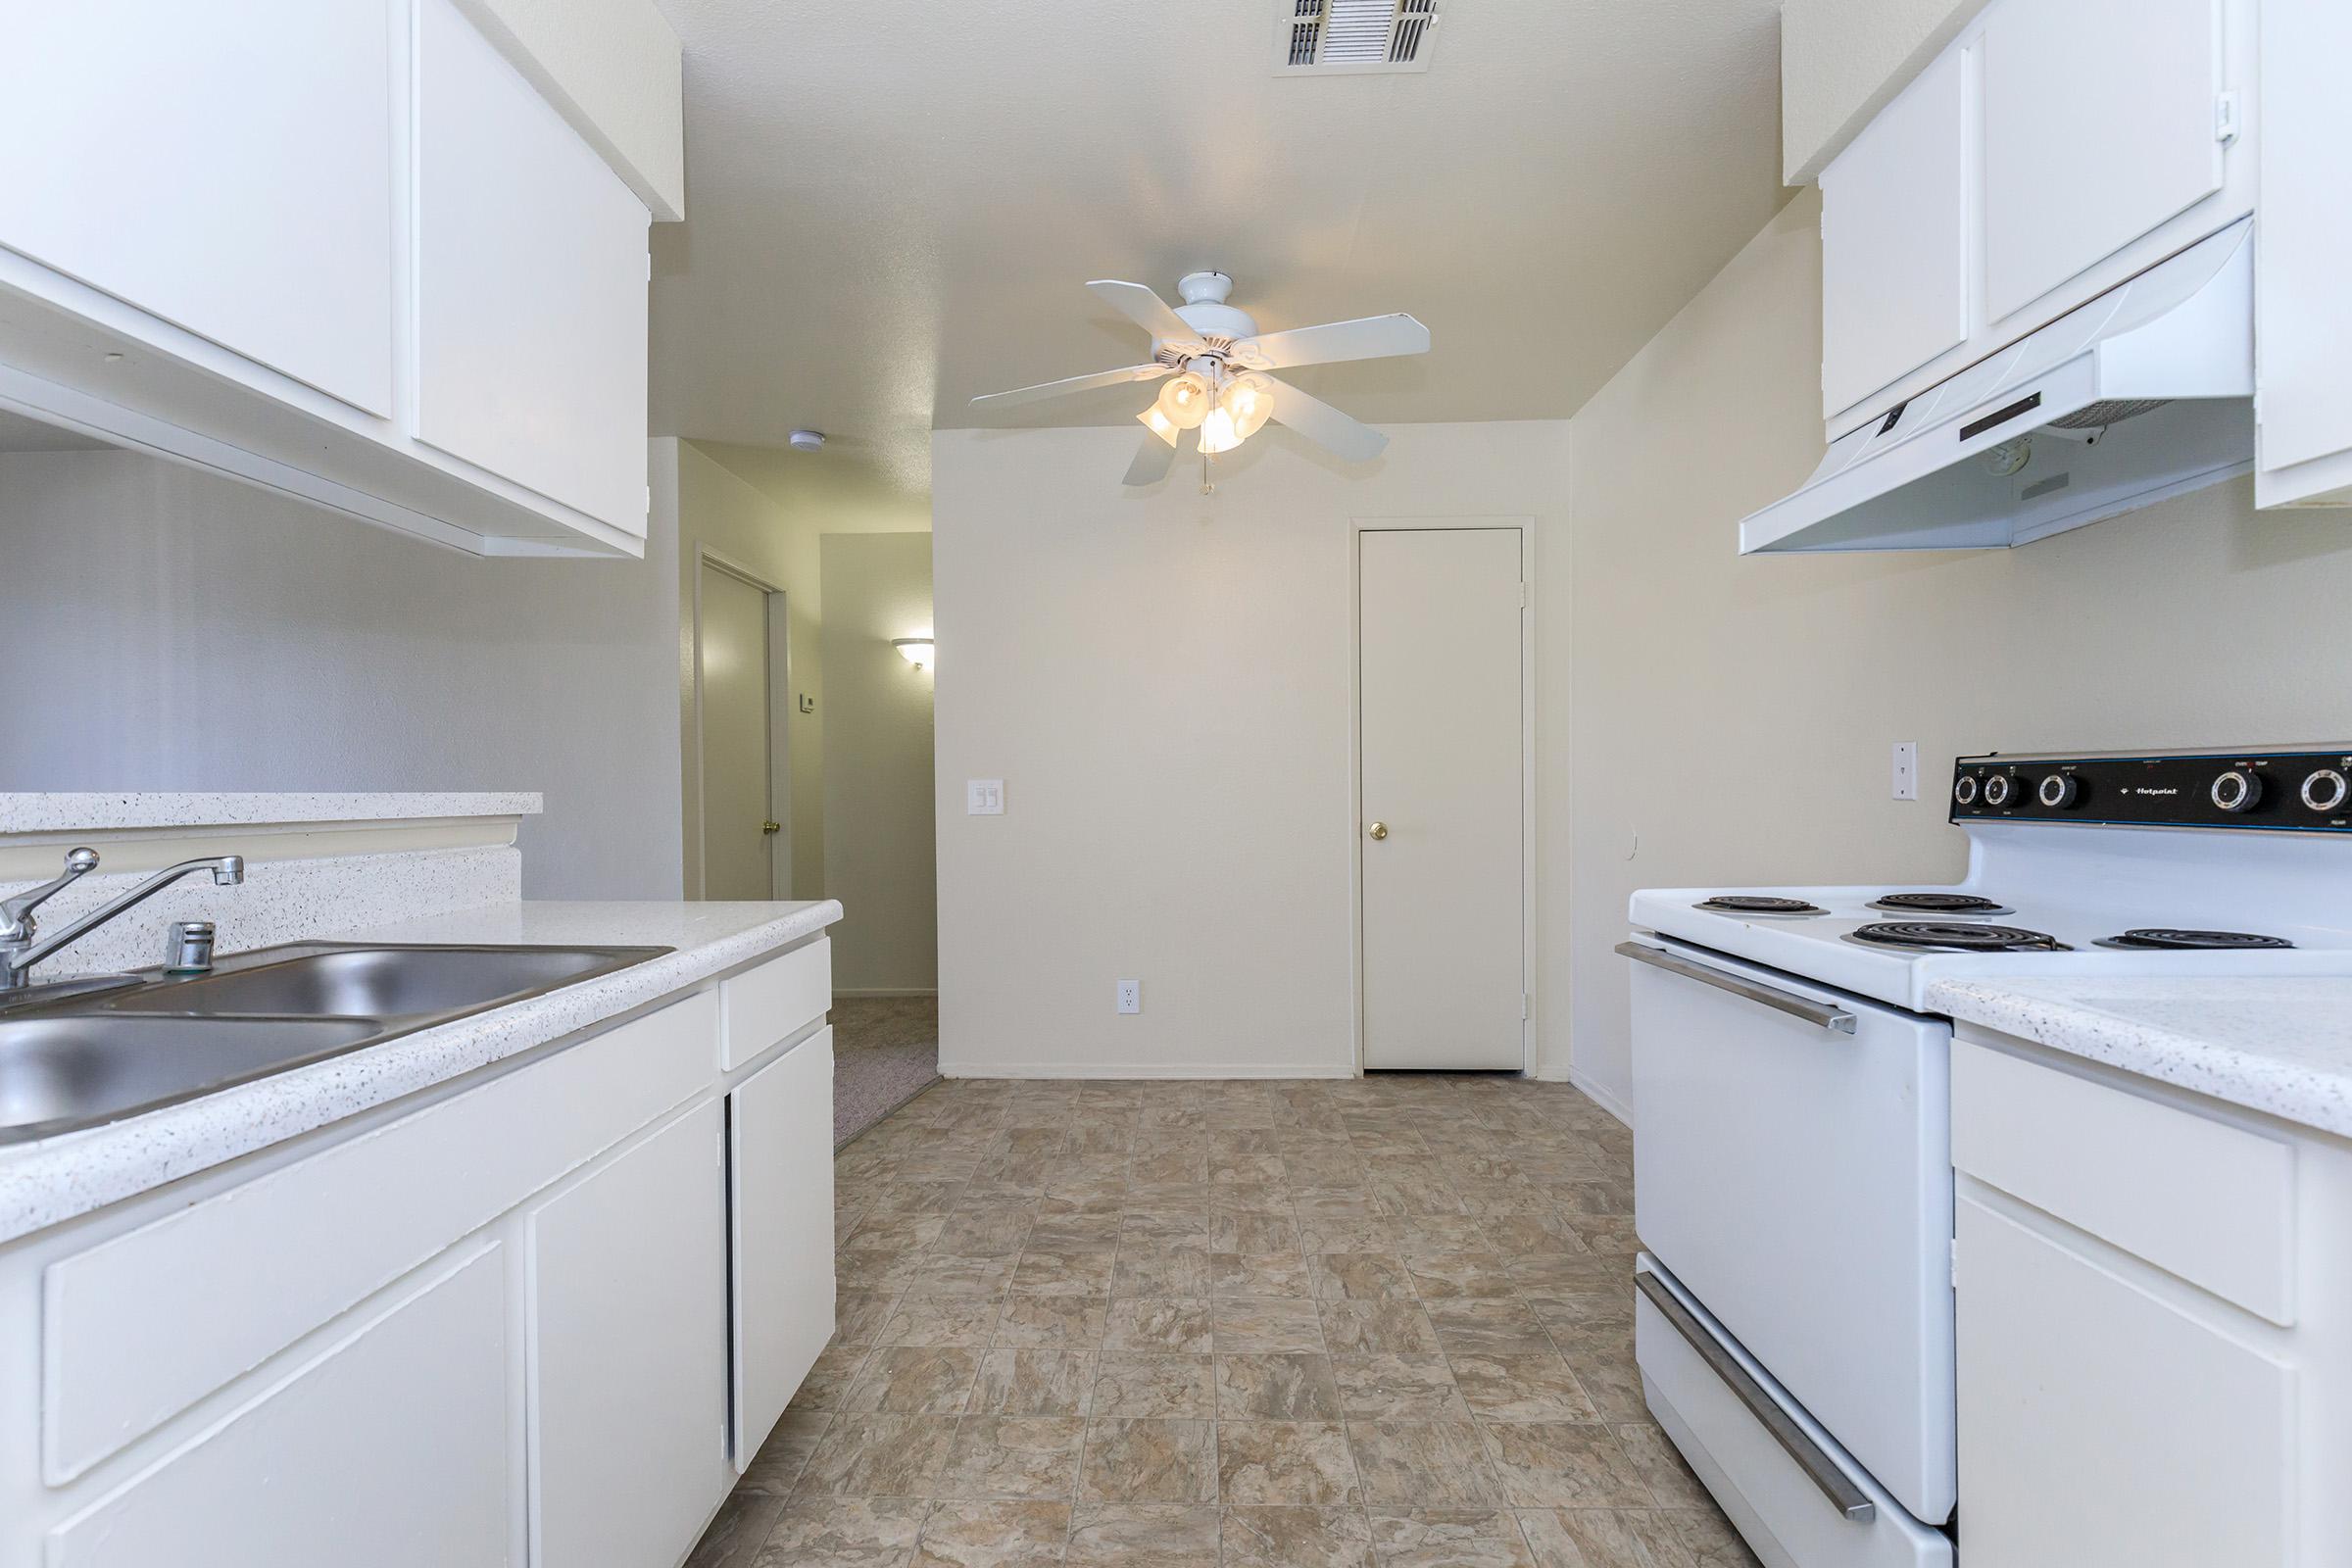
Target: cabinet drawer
pixel 139 1328
pixel 2210 1203
pixel 760 1006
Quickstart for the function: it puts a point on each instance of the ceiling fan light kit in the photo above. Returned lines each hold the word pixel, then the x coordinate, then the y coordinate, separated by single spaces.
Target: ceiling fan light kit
pixel 1213 362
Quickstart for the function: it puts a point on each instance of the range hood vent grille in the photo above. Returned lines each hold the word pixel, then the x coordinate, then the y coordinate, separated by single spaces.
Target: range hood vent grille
pixel 1325 37
pixel 2115 411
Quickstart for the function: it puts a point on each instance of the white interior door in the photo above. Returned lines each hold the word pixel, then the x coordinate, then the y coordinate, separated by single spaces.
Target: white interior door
pixel 1440 666
pixel 733 654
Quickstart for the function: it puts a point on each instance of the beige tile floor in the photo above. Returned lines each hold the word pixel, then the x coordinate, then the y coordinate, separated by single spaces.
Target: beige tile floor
pixel 1262 1325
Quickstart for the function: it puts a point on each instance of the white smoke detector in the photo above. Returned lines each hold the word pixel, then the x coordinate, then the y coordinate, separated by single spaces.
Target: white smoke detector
pixel 807 440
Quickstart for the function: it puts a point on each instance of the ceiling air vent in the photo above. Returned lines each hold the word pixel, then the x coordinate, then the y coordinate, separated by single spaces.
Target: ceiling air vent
pixel 1340 37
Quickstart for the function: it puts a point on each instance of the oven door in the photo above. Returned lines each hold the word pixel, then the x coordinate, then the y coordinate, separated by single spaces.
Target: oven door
pixel 1793 1170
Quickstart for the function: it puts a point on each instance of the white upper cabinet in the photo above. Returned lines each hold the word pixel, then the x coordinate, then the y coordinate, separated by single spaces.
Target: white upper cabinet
pixel 531 320
pixel 2055 150
pixel 341 249
pixel 2303 309
pixel 1895 238
pixel 2100 123
pixel 177 157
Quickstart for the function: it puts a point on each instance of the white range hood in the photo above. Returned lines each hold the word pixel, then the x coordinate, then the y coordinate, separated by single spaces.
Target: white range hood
pixel 2146 392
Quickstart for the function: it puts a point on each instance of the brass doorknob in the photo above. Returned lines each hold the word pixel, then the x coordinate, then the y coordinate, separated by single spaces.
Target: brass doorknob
pixel 1379 830
pixel 771 827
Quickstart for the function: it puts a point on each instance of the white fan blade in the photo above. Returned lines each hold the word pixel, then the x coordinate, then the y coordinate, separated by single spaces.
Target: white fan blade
pixel 1375 337
pixel 1075 383
pixel 1157 458
pixel 1325 425
pixel 1147 311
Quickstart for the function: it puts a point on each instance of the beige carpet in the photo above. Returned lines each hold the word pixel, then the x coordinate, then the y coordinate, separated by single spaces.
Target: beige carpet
pixel 885 1052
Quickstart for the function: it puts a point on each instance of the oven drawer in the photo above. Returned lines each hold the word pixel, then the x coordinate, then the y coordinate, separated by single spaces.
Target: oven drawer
pixel 1799 1500
pixel 1793 1170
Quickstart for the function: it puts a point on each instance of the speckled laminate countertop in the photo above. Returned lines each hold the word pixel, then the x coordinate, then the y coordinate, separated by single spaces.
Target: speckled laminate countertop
pixel 2281 1046
pixel 85 813
pixel 56 1179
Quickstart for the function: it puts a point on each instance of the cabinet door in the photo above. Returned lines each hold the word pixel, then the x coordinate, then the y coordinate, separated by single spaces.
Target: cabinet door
pixel 2099 125
pixel 225 168
pixel 780 1123
pixel 2303 322
pixel 1895 252
pixel 628 1353
pixel 386 1448
pixel 531 284
pixel 2103 1428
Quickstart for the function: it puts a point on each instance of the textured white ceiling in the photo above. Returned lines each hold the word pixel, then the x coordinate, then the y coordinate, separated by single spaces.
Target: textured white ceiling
pixel 892 208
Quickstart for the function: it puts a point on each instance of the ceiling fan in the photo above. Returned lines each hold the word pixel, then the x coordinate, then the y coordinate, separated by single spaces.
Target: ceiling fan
pixel 1214 362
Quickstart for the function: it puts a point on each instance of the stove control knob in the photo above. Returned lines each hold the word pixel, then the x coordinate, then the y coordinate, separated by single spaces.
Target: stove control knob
pixel 1965 791
pixel 2237 790
pixel 2058 791
pixel 1998 790
pixel 2324 790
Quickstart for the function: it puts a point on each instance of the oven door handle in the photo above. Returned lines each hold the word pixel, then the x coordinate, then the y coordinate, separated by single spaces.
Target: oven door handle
pixel 1824 1472
pixel 1787 1002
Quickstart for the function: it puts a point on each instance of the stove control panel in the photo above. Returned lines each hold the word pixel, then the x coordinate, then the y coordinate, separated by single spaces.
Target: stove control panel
pixel 2296 789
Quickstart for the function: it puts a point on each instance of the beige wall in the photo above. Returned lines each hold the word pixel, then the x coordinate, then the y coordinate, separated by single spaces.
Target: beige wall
pixel 878 818
pixel 1843 61
pixel 169 629
pixel 1163 682
pixel 1732 716
pixel 720 512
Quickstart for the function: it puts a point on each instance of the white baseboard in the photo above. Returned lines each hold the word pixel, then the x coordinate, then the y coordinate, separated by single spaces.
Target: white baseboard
pixel 885 991
pixel 1143 1071
pixel 1602 1096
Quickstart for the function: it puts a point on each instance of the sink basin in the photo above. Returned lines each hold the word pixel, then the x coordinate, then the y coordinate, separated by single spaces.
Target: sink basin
pixel 83 1055
pixel 59 1073
pixel 371 982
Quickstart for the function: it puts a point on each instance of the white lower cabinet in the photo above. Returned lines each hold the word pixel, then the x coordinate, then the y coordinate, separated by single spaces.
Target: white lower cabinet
pixel 385 1447
pixel 2101 1427
pixel 628 1352
pixel 2153 1322
pixel 540 1318
pixel 343 250
pixel 780 1124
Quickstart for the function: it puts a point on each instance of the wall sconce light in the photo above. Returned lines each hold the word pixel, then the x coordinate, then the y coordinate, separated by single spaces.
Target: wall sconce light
pixel 916 650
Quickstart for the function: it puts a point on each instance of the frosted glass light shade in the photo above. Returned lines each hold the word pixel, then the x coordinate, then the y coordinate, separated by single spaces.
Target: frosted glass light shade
pixel 1184 399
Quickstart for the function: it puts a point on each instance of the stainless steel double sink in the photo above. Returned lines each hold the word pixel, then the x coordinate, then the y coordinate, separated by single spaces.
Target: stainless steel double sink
pixel 79 1056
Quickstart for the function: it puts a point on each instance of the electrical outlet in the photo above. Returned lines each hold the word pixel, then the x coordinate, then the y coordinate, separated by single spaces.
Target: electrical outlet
pixel 984 797
pixel 1906 770
pixel 1131 995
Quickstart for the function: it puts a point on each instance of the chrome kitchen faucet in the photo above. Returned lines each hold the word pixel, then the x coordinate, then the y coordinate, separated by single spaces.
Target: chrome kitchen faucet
pixel 19 951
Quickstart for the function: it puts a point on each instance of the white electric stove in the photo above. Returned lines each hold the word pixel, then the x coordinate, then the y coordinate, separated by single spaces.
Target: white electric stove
pixel 1792 1115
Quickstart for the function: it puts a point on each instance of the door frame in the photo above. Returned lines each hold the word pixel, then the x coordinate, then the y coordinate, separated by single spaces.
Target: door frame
pixel 1357 527
pixel 779 710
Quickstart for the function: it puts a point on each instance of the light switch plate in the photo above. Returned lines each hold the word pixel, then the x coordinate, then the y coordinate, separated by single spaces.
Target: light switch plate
pixel 1906 770
pixel 984 797
pixel 1131 995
